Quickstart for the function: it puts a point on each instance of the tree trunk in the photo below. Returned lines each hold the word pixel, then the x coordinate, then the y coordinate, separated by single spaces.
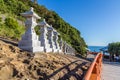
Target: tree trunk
pixel 35 1
pixel 110 57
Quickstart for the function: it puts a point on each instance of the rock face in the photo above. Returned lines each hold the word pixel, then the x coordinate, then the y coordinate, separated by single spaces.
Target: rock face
pixel 16 64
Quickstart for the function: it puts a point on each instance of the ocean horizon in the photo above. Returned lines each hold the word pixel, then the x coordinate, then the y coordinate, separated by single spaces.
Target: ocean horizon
pixel 95 48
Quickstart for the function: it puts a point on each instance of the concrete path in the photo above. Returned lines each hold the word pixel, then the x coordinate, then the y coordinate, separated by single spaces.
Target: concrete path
pixel 90 57
pixel 111 71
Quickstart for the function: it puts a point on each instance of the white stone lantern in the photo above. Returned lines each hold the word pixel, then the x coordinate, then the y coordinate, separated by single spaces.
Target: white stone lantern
pixel 55 39
pixel 44 36
pixel 30 40
pixel 50 37
pixel 61 46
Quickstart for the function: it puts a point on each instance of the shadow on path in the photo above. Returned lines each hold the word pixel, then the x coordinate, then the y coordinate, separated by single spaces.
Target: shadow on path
pixel 9 42
pixel 69 72
pixel 112 63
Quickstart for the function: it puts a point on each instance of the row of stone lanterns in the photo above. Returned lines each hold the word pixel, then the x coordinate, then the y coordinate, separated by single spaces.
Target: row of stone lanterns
pixel 48 39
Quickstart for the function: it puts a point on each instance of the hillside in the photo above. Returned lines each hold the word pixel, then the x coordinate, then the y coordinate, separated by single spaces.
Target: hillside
pixel 10 16
pixel 16 64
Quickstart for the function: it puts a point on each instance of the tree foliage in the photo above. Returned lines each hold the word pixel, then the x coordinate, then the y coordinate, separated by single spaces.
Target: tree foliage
pixel 114 48
pixel 11 28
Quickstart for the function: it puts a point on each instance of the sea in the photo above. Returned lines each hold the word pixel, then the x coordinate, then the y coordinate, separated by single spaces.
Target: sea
pixel 95 48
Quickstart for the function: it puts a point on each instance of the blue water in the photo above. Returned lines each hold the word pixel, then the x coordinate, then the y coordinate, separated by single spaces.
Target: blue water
pixel 95 48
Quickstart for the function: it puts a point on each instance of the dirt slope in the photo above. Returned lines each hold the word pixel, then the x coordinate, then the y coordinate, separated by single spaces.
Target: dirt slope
pixel 16 64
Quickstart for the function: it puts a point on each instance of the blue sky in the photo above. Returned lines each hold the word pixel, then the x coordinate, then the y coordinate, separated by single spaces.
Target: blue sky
pixel 97 20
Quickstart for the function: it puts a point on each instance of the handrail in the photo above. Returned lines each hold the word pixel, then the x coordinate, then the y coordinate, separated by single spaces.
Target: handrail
pixel 94 72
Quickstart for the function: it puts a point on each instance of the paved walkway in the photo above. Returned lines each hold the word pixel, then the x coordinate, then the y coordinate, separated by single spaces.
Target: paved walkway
pixel 111 71
pixel 90 57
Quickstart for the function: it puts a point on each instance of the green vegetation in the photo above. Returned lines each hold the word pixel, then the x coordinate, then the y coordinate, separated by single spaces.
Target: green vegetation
pixel 37 30
pixel 12 29
pixel 114 49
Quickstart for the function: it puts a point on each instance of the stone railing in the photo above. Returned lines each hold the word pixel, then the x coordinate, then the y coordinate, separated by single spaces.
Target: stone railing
pixel 94 72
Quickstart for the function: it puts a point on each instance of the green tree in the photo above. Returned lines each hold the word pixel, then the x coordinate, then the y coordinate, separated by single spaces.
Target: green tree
pixel 114 49
pixel 13 26
pixel 37 30
pixel 2 6
pixel 0 19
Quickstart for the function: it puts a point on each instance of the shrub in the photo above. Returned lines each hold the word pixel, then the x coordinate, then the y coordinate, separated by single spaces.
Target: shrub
pixel 0 19
pixel 11 29
pixel 37 30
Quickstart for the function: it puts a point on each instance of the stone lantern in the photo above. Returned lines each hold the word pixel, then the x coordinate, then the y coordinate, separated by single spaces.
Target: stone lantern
pixel 30 40
pixel 50 37
pixel 44 36
pixel 55 39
